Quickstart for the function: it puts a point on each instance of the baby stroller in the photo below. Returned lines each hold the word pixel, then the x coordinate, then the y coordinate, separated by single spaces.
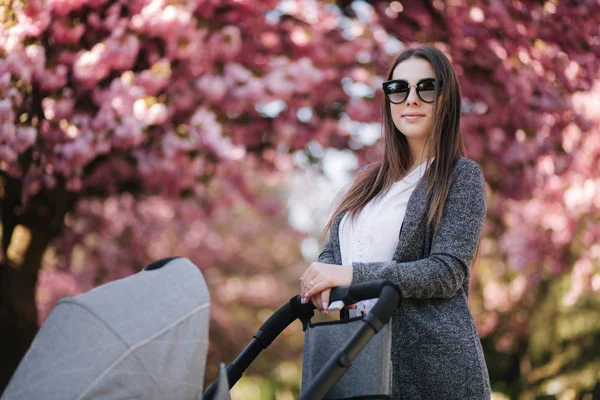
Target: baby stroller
pixel 146 337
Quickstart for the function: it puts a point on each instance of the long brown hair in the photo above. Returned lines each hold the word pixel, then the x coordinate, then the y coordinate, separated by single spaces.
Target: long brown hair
pixel 444 137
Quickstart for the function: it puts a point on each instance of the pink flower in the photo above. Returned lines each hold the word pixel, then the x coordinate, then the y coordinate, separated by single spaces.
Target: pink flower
pixel 360 111
pixel 6 111
pixel 121 95
pixel 52 80
pixel 64 32
pixel 67 58
pixel 182 96
pixel 305 72
pixel 26 136
pixel 104 121
pixel 34 19
pixel 74 184
pixel 252 91
pixel 128 134
pixel 18 64
pixel 113 22
pixel 96 3
pixel 37 58
pixel 49 181
pixel 156 78
pixel 236 73
pixel 189 45
pixel 206 130
pixel 7 154
pixel 227 43
pixel 280 84
pixel 154 115
pixel 4 81
pixel 49 106
pixel 122 52
pixel 91 66
pixel 58 109
pixel 63 7
pixel 213 87
pixel 77 152
pixel 172 144
pixel 8 132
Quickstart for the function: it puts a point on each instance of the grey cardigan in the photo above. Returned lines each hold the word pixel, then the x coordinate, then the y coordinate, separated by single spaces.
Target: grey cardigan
pixel 436 351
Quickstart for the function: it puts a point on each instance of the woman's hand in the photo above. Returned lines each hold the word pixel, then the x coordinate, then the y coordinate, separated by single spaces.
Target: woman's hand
pixel 319 278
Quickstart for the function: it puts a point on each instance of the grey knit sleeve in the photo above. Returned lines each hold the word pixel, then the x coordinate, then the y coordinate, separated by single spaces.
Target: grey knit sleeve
pixel 443 272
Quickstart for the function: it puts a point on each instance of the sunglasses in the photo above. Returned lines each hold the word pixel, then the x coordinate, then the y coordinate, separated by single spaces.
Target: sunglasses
pixel 397 90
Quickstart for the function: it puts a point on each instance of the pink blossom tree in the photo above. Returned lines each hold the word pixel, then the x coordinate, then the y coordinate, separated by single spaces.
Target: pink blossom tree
pixel 124 116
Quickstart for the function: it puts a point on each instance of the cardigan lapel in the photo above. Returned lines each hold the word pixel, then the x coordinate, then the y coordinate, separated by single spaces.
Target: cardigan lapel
pixel 414 216
pixel 335 233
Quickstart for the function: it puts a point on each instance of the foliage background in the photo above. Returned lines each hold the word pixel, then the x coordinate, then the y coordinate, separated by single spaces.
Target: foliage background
pixel 135 130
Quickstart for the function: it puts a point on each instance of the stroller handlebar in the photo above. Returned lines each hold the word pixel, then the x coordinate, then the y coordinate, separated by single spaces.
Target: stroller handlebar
pixel 388 293
pixel 351 294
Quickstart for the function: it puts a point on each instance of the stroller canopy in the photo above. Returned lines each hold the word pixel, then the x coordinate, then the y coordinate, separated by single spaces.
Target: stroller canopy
pixel 144 336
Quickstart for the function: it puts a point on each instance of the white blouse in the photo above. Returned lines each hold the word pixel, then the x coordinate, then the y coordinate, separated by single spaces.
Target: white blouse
pixel 373 235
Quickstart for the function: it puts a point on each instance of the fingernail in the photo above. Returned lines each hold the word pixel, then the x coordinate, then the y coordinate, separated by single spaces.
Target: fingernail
pixel 303 300
pixel 325 307
pixel 324 312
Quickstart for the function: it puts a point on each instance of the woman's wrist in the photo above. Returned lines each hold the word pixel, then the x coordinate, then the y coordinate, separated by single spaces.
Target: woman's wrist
pixel 348 271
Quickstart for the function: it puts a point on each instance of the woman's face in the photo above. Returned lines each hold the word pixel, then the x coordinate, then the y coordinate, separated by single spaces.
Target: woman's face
pixel 413 117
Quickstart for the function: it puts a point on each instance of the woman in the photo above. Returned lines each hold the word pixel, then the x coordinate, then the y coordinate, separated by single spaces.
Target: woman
pixel 415 218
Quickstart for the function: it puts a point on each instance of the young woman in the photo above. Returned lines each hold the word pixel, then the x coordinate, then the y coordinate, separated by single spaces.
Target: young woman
pixel 415 218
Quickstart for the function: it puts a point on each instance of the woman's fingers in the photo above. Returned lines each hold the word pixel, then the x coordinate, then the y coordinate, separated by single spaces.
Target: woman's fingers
pixel 325 299
pixel 321 301
pixel 314 274
pixel 307 282
pixel 319 277
pixel 316 299
pixel 317 288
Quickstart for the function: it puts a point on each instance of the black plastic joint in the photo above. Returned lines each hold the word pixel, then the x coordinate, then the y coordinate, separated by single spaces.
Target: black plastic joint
pixel 344 361
pixel 260 337
pixel 373 322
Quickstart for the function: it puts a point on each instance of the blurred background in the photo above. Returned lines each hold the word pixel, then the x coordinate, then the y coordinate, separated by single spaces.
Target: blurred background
pixel 222 130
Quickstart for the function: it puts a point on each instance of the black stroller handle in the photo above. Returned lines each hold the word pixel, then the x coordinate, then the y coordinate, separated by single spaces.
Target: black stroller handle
pixel 351 294
pixel 389 299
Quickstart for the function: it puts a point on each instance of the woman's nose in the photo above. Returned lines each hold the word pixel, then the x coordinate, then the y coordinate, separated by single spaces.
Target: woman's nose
pixel 412 97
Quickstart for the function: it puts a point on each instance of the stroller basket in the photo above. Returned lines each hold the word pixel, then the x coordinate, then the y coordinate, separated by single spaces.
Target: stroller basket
pixel 349 336
pixel 369 375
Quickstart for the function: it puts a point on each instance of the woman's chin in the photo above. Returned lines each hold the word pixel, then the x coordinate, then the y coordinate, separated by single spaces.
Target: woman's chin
pixel 412 134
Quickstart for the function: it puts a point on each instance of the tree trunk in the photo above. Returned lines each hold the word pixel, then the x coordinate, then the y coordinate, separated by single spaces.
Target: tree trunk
pixel 18 316
pixel 43 217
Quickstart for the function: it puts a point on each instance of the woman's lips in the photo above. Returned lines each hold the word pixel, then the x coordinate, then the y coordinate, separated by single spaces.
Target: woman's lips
pixel 413 117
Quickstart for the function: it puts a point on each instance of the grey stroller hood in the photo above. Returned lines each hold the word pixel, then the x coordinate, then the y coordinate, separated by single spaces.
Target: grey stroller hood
pixel 141 337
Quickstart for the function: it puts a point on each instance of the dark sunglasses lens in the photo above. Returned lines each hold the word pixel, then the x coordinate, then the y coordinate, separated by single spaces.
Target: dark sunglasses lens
pixel 426 90
pixel 397 92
